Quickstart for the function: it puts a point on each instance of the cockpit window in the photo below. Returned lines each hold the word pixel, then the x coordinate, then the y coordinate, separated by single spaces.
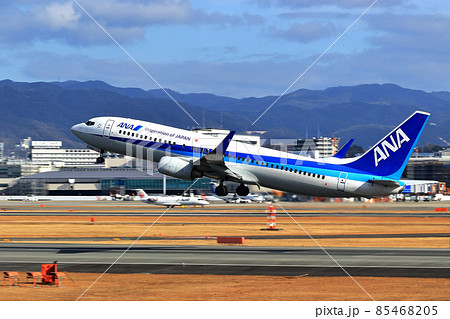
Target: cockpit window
pixel 90 123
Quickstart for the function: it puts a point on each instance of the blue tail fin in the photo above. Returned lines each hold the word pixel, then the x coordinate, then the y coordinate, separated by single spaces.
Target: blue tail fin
pixel 389 156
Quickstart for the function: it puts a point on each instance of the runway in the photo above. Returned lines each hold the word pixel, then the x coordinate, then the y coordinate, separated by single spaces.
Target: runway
pixel 229 260
pixel 218 213
pixel 182 242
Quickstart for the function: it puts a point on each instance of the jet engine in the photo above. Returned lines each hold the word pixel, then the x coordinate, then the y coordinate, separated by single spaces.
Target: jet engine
pixel 179 168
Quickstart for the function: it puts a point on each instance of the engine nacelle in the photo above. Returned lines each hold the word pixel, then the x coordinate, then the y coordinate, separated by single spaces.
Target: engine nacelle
pixel 179 168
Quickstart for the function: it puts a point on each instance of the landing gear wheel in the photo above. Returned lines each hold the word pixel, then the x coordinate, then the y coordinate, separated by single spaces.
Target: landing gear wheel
pixel 221 190
pixel 242 190
pixel 101 159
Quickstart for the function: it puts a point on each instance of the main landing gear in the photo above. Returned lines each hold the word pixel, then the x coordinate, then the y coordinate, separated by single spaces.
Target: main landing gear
pixel 101 159
pixel 241 190
pixel 221 190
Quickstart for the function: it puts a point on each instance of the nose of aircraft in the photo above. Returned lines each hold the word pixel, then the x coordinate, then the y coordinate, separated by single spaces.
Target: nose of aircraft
pixel 76 129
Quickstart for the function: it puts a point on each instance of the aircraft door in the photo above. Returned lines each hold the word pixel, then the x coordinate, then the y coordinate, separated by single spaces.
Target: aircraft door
pixel 108 126
pixel 341 181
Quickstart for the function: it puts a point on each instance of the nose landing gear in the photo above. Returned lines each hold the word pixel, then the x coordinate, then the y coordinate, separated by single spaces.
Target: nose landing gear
pixel 101 159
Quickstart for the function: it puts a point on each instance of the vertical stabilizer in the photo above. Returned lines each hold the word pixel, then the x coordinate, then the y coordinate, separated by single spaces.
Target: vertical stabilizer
pixel 388 158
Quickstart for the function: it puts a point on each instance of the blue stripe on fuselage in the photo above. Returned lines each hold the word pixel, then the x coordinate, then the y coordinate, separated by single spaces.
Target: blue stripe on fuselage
pixel 313 167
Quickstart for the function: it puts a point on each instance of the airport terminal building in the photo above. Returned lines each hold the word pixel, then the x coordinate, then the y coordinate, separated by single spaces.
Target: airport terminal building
pixel 103 181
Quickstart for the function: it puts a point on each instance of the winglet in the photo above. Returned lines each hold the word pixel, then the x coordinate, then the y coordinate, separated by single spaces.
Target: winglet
pixel 341 153
pixel 216 155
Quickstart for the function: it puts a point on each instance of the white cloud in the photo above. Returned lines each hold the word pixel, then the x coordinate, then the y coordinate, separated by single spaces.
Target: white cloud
pixel 424 34
pixel 58 16
pixel 141 12
pixel 407 48
pixel 25 22
pixel 242 79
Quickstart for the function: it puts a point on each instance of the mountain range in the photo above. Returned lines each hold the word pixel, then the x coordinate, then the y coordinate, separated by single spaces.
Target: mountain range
pixel 47 110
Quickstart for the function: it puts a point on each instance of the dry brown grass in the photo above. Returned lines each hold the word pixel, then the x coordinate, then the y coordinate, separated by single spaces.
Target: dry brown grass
pixel 186 228
pixel 210 287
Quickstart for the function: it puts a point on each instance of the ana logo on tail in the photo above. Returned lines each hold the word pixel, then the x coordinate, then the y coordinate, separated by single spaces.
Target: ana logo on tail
pixel 396 143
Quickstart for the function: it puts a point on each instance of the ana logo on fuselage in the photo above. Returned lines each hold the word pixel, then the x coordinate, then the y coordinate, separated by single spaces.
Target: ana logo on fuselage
pixel 130 126
pixel 381 150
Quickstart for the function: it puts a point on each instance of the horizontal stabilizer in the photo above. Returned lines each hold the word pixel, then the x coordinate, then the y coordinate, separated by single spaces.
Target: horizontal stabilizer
pixel 385 182
pixel 344 149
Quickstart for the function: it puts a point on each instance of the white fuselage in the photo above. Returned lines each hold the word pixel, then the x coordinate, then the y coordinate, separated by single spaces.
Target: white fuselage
pixel 327 177
pixel 176 201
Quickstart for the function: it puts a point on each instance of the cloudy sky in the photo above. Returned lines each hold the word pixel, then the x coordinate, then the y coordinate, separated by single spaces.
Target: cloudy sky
pixel 233 48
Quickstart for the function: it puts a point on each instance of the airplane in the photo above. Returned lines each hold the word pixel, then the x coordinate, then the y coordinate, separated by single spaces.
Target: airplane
pixel 189 155
pixel 442 197
pixel 171 201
